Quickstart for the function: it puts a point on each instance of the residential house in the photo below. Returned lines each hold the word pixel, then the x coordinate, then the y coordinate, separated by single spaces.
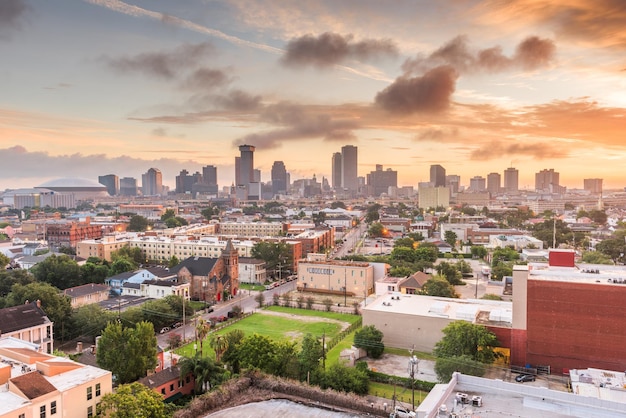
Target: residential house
pixel 28 322
pixel 252 270
pixel 156 289
pixel 137 277
pixel 413 284
pixel 168 383
pixel 87 294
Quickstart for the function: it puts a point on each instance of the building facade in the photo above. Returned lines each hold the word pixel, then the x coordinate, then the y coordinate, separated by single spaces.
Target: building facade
pixel 349 168
pixel 111 182
pixel 511 180
pixel 437 176
pixel 152 182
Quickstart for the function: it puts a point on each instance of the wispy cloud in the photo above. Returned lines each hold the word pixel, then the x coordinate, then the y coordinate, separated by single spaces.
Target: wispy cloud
pixel 11 14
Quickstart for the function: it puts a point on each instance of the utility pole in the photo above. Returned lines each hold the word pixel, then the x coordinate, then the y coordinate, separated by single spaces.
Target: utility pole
pixel 413 365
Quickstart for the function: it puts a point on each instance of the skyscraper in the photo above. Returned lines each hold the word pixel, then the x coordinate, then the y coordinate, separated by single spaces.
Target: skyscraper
pixel 380 181
pixel 152 182
pixel 477 184
pixel 246 165
pixel 112 183
pixel 593 185
pixel 437 176
pixel 493 183
pixel 453 182
pixel 128 186
pixel 349 168
pixel 336 171
pixel 279 178
pixel 511 180
pixel 547 180
pixel 209 175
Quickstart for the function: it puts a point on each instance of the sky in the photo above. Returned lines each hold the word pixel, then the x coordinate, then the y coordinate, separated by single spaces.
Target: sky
pixel 95 87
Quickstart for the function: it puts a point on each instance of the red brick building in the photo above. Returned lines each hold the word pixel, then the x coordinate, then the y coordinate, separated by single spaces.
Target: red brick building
pixel 569 316
pixel 68 233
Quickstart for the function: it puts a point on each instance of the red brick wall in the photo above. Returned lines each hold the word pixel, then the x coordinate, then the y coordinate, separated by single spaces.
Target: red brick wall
pixel 574 325
pixel 518 347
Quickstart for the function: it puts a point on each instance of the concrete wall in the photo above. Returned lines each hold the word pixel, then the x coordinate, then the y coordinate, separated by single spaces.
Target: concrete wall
pixel 406 331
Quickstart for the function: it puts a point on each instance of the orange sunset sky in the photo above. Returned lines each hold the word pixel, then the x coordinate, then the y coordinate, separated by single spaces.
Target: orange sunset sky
pixel 103 86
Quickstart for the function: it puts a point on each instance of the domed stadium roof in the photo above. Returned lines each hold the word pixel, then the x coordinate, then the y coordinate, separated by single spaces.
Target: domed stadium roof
pixel 73 184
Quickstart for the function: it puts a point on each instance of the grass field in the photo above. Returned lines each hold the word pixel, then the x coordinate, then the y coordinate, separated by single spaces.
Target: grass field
pixel 403 395
pixel 282 328
pixel 349 318
pixel 332 356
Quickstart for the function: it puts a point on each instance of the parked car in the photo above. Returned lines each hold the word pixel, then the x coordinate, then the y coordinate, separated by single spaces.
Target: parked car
pixel 402 412
pixel 525 378
pixel 164 330
pixel 176 325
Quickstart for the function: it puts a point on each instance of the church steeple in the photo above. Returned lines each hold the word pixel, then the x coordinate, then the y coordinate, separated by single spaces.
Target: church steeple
pixel 230 257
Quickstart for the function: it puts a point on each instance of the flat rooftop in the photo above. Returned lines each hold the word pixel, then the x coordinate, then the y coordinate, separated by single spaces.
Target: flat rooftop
pixel 580 273
pixel 486 312
pixel 504 399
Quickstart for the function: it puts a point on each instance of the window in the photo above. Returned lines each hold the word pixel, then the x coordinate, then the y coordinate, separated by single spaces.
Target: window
pixel 53 408
pixel 163 391
pixel 42 411
pixel 171 387
pixel 90 412
pixel 22 416
pixel 89 394
pixel 97 389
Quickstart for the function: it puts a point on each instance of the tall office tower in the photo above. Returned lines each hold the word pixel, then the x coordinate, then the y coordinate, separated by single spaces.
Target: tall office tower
pixel 128 186
pixel 453 182
pixel 256 175
pixel 477 184
pixel 336 171
pixel 511 180
pixel 349 168
pixel 493 183
pixel 237 171
pixel 246 165
pixel 152 182
pixel 209 175
pixel 547 180
pixel 279 178
pixel 380 181
pixel 111 182
pixel 593 185
pixel 437 176
pixel 183 182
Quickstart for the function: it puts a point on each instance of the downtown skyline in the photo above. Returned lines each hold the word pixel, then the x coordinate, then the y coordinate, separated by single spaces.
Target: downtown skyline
pixel 103 86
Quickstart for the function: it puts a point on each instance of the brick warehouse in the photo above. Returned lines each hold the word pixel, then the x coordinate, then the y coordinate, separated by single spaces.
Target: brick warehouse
pixel 568 316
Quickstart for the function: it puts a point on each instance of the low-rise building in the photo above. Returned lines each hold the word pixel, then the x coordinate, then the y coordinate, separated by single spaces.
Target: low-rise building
pixel 316 274
pixel 28 322
pixel 34 384
pixel 169 384
pixel 87 294
pixel 252 270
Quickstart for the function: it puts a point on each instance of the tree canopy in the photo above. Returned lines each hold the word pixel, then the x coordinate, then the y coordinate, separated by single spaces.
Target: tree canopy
pixel 128 352
pixel 370 339
pixel 133 400
pixel 464 338
pixel 59 271
pixel 439 286
pixel 273 253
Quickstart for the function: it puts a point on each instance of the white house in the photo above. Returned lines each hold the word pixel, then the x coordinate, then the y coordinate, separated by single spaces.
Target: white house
pixel 252 270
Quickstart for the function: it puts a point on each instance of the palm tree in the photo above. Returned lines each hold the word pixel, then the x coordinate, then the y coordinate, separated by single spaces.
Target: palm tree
pixel 204 371
pixel 202 329
pixel 219 344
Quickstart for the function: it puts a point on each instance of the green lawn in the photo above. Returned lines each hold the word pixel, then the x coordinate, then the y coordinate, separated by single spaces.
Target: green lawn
pixel 250 286
pixel 281 328
pixel 349 318
pixel 332 356
pixel 405 352
pixel 403 395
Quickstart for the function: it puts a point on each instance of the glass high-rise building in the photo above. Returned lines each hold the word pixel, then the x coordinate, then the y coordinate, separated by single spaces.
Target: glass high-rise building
pixel 511 180
pixel 279 178
pixel 437 176
pixel 246 165
pixel 336 171
pixel 152 182
pixel 349 168
pixel 111 182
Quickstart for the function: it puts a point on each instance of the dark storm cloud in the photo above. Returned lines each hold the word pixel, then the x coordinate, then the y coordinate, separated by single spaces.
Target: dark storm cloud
pixel 530 54
pixel 299 122
pixel 431 92
pixel 165 65
pixel 11 14
pixel 330 48
pixel 500 149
